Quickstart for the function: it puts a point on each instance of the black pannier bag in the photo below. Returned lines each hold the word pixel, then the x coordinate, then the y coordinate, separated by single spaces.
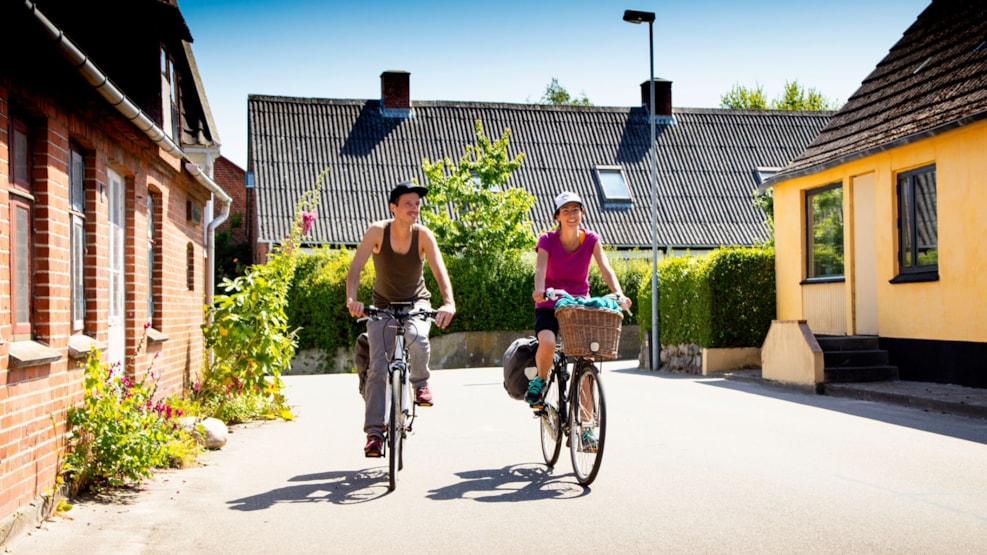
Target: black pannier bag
pixel 519 356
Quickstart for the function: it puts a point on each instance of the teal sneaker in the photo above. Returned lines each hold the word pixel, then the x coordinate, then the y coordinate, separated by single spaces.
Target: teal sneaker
pixel 535 388
pixel 590 442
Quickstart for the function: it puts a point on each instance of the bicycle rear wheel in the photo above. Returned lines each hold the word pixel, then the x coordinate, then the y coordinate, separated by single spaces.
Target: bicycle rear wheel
pixel 550 422
pixel 587 423
pixel 395 430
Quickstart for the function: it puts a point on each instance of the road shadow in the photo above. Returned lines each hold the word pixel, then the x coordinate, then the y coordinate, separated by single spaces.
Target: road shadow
pixel 340 488
pixel 518 482
pixel 967 428
pixel 952 425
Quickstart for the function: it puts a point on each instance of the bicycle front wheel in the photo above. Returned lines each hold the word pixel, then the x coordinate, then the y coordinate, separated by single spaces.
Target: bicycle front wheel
pixel 395 430
pixel 550 422
pixel 587 423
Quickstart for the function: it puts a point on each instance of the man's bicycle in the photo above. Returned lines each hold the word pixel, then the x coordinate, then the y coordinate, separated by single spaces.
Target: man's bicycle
pixel 579 413
pixel 400 397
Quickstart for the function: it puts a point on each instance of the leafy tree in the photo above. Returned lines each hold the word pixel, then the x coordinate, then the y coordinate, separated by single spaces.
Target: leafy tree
pixel 795 97
pixel 766 201
pixel 742 98
pixel 556 94
pixel 472 210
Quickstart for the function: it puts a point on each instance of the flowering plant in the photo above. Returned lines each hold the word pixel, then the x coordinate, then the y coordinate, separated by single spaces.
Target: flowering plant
pixel 247 331
pixel 120 433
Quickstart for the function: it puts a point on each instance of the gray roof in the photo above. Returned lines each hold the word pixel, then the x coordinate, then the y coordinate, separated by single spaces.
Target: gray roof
pixel 932 80
pixel 707 162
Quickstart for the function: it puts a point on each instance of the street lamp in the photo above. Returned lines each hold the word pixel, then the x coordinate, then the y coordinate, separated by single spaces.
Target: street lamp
pixel 633 16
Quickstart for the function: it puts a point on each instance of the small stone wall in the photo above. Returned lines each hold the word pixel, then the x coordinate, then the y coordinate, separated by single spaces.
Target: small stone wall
pixel 472 349
pixel 686 358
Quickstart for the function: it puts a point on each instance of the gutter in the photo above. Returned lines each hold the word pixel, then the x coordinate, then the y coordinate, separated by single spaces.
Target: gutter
pixel 116 98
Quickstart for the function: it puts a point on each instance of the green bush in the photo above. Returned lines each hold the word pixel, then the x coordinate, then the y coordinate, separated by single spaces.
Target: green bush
pixel 493 293
pixel 724 299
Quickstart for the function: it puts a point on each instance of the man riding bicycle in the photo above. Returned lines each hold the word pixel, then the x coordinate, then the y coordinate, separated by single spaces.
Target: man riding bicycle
pixel 399 247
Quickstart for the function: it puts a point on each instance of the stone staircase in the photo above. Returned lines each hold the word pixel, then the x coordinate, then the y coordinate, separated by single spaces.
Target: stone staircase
pixel 855 358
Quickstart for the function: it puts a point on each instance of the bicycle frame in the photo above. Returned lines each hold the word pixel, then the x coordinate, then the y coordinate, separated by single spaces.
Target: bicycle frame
pixel 399 405
pixel 574 407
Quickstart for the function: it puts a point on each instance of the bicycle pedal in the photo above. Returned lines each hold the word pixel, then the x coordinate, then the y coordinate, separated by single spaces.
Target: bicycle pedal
pixel 424 404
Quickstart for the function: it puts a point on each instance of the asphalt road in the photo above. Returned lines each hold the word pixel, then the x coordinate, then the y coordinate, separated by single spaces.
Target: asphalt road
pixel 692 465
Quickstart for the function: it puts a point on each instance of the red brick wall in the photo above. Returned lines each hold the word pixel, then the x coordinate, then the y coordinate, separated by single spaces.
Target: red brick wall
pixel 34 400
pixel 232 178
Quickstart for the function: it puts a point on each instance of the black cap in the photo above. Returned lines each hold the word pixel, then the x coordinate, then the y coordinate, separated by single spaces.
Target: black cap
pixel 406 187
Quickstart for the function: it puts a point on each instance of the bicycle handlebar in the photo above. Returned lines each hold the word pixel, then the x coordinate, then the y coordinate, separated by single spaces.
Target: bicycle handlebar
pixel 374 313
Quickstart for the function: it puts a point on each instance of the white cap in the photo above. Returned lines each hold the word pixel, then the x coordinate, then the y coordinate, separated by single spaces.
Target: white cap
pixel 565 198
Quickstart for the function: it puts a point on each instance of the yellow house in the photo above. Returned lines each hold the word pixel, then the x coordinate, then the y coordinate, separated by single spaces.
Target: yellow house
pixel 880 224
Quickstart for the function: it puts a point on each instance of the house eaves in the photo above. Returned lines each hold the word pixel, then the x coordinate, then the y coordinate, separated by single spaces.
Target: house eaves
pixel 933 80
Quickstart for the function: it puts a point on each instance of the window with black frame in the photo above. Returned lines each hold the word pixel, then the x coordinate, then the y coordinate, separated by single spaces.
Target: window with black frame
pixel 918 225
pixel 824 232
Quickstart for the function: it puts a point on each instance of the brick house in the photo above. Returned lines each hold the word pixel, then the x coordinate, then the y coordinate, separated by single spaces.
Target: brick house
pixel 106 151
pixel 231 178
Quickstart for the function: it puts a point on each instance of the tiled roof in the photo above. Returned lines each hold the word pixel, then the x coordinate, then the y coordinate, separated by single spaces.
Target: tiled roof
pixel 706 173
pixel 933 79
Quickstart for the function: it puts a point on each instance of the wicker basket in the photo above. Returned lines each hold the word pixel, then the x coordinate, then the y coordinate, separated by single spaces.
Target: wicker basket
pixel 583 326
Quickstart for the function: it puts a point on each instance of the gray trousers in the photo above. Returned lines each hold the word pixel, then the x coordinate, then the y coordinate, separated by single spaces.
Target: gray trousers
pixel 380 334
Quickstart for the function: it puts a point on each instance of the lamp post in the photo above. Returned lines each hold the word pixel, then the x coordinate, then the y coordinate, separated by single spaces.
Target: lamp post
pixel 633 16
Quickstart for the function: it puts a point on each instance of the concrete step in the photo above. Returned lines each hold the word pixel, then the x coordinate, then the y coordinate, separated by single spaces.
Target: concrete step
pixel 856 374
pixel 855 359
pixel 839 359
pixel 847 342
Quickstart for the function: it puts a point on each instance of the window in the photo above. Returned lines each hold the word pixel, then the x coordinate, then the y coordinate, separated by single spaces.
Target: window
pixel 153 259
pixel 762 173
pixel 169 95
pixel 190 267
pixel 77 260
pixel 918 223
pixel 21 232
pixel 824 232
pixel 613 186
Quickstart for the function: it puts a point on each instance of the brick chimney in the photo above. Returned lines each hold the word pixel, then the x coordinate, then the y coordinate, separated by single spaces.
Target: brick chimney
pixel 395 94
pixel 663 100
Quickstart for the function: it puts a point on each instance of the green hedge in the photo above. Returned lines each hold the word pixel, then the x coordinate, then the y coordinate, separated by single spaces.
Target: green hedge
pixel 492 293
pixel 724 299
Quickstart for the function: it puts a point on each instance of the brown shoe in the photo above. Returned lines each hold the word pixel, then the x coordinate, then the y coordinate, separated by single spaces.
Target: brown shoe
pixel 423 396
pixel 374 446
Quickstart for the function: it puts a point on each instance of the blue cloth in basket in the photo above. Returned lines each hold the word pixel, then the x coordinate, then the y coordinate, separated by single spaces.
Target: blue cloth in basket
pixel 600 302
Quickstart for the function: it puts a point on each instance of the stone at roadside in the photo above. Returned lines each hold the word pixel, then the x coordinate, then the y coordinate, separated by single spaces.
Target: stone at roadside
pixel 209 432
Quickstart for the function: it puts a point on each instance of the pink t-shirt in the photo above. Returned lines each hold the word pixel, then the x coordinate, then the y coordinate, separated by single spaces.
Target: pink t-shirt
pixel 567 270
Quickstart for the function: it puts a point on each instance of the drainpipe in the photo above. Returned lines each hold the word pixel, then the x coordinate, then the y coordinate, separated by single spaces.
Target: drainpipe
pixel 135 115
pixel 224 212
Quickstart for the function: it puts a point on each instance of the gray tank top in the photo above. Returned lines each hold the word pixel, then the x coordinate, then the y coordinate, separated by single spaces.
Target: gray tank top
pixel 398 277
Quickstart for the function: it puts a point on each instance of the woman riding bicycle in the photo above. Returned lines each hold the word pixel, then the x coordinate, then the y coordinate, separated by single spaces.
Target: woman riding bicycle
pixel 563 258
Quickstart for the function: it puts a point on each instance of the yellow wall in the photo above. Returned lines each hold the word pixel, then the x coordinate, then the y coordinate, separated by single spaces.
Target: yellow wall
pixel 952 308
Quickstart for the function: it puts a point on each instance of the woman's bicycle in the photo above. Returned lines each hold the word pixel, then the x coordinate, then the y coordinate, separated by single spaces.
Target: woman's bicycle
pixel 400 397
pixel 579 413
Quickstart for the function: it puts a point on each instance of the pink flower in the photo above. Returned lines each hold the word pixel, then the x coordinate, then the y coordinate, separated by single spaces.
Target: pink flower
pixel 308 218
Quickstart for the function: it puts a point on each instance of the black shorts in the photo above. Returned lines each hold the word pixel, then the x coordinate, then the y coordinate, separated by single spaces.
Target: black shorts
pixel 545 320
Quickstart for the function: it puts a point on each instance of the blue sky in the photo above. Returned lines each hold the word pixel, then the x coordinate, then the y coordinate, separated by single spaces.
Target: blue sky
pixel 509 50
